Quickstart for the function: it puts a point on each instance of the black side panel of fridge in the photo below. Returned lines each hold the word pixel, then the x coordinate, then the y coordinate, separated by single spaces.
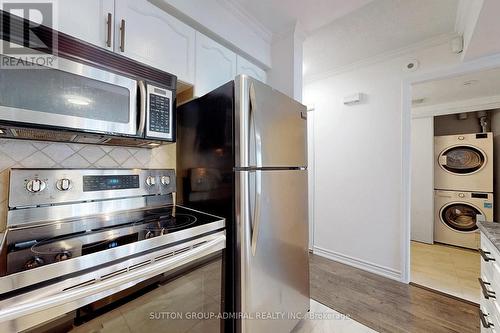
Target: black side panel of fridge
pixel 205 177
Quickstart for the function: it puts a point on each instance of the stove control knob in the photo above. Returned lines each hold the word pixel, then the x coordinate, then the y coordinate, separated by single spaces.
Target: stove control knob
pixel 63 184
pixel 35 185
pixel 165 180
pixel 64 255
pixel 149 234
pixel 34 263
pixel 151 181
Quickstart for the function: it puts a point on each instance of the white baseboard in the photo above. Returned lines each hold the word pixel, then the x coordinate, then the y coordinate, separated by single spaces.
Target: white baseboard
pixel 359 263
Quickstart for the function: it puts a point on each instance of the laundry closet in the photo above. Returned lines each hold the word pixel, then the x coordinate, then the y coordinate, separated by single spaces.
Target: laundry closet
pixel 464 158
pixel 455 179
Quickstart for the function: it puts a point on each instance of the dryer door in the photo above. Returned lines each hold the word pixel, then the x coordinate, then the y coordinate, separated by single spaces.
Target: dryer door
pixel 462 160
pixel 460 216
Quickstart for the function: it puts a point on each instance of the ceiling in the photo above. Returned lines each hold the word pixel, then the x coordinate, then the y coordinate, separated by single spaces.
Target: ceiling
pixel 473 85
pixel 375 28
pixel 279 16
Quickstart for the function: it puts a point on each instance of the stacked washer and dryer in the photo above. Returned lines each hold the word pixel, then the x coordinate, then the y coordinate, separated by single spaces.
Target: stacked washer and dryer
pixel 463 182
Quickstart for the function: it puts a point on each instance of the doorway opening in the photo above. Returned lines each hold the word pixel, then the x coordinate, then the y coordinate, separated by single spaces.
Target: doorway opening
pixel 455 154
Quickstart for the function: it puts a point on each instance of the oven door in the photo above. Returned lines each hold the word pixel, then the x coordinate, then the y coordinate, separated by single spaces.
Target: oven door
pixel 192 301
pixel 69 95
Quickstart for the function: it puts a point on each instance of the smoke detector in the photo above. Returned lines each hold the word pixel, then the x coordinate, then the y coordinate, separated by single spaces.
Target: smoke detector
pixel 412 65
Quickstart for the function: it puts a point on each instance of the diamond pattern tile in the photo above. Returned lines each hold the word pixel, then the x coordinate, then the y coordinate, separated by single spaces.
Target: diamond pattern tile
pixel 75 161
pixel 144 156
pixel 92 153
pixel 38 160
pixel 132 163
pixel 6 162
pixel 120 155
pixel 58 152
pixel 35 154
pixel 106 162
pixel 17 150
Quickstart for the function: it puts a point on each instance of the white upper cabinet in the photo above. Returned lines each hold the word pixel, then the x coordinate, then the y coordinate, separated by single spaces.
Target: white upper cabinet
pixel 141 31
pixel 246 67
pixel 215 65
pixel 149 35
pixel 89 20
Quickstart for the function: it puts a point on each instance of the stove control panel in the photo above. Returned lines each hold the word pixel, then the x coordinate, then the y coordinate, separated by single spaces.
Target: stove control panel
pixel 165 180
pixel 110 182
pixel 63 184
pixel 151 181
pixel 33 187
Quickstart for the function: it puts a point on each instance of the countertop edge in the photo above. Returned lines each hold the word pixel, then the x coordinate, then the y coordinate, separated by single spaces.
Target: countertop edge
pixel 492 231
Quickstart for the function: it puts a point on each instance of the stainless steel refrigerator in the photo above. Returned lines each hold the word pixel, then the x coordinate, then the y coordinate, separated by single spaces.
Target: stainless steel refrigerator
pixel 242 154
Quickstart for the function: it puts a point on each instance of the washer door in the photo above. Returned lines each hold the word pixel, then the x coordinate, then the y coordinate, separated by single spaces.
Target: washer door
pixel 462 160
pixel 460 216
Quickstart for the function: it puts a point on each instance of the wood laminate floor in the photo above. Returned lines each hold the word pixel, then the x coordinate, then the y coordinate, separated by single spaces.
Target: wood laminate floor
pixel 386 305
pixel 449 269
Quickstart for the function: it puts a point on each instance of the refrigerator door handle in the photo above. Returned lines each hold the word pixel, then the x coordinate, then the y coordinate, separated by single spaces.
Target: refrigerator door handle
pixel 255 224
pixel 256 132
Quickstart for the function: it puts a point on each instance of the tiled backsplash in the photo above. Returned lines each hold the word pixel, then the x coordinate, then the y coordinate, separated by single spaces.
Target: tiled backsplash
pixel 38 154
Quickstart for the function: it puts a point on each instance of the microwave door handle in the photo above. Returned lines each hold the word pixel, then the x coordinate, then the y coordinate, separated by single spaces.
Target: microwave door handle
pixel 142 108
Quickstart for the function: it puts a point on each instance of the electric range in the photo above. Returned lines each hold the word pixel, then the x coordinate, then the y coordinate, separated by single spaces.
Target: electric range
pixel 75 236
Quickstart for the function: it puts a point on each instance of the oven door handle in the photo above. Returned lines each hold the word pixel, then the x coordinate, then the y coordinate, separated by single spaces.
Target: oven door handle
pixel 142 273
pixel 142 105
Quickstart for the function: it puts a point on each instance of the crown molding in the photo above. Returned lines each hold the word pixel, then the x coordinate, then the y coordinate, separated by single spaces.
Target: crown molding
pixel 248 19
pixel 381 57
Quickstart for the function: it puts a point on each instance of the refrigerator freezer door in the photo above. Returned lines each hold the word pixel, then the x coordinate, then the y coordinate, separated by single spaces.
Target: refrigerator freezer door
pixel 271 212
pixel 270 127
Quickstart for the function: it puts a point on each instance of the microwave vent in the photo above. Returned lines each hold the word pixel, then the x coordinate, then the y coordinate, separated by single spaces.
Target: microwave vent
pixel 43 135
pixel 89 139
pixel 129 143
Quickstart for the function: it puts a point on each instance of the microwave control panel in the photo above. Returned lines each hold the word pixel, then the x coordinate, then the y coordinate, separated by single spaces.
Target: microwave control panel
pixel 159 113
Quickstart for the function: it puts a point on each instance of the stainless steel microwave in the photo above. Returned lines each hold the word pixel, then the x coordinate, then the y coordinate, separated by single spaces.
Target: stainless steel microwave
pixel 78 97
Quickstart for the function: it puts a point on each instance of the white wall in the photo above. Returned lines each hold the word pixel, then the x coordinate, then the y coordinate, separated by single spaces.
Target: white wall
pixel 286 72
pixel 467 17
pixel 422 180
pixel 358 161
pixel 481 28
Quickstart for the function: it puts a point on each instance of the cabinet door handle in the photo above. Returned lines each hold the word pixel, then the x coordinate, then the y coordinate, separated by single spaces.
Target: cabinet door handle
pixel 109 25
pixel 484 321
pixel 484 254
pixel 122 36
pixel 486 293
